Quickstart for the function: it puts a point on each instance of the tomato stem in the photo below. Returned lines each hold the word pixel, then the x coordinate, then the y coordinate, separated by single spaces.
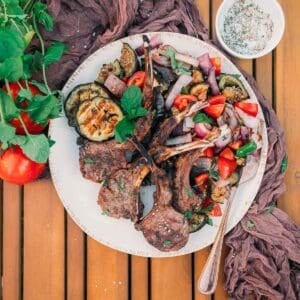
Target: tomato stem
pixel 19 84
pixel 8 87
pixel 27 85
pixel 24 126
pixel 43 53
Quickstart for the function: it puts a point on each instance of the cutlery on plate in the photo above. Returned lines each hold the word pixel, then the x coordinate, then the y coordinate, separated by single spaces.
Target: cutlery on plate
pixel 208 279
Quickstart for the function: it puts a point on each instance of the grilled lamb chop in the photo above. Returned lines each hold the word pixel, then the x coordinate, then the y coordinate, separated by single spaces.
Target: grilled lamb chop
pixel 119 196
pixel 164 227
pixel 168 125
pixel 99 160
pixel 186 199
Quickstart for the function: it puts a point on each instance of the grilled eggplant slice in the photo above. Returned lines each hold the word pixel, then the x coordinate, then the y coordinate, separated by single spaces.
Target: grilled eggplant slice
pixel 112 68
pixel 200 90
pixel 237 92
pixel 128 61
pixel 97 118
pixel 80 94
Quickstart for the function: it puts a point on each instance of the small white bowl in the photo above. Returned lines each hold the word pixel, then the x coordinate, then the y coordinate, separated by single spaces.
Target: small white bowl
pixel 271 7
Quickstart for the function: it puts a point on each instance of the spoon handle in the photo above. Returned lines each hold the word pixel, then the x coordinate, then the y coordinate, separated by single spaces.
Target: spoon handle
pixel 208 279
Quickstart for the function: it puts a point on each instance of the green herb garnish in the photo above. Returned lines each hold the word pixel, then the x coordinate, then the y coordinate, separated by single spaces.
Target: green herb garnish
pixel 184 91
pixel 284 165
pixel 202 118
pixel 209 221
pixel 188 214
pixel 166 243
pixel 18 25
pixel 189 192
pixel 269 209
pixel 250 224
pixel 131 103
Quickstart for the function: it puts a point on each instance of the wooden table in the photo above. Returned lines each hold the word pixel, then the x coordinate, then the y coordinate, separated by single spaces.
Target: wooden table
pixel 46 256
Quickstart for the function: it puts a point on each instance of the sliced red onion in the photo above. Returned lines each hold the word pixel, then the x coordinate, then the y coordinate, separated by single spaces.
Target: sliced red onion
pixel 232 117
pixel 221 121
pixel 182 81
pixel 183 139
pixel 187 59
pixel 115 85
pixel 249 121
pixel 188 122
pixel 201 130
pixel 225 137
pixel 236 133
pixel 155 42
pixel 160 59
pixel 212 81
pixel 205 63
pixel 245 133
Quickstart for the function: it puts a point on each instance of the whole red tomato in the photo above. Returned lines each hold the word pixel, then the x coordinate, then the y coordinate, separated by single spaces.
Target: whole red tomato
pixel 31 126
pixel 17 168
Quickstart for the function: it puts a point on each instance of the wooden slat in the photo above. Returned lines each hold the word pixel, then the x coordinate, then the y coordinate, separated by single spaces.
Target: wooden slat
pixel 139 278
pixel 43 242
pixel 75 261
pixel 12 203
pixel 204 10
pixel 287 104
pixel 171 278
pixel 264 76
pixel 107 273
pixel 199 261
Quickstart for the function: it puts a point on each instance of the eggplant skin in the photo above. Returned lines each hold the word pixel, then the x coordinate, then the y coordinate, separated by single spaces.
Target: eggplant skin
pixel 97 118
pixel 128 60
pixel 197 222
pixel 79 94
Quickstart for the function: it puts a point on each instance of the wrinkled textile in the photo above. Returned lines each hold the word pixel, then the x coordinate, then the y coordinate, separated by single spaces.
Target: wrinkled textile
pixel 264 258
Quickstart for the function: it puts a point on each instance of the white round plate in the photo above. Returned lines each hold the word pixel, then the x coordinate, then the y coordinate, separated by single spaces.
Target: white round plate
pixel 79 195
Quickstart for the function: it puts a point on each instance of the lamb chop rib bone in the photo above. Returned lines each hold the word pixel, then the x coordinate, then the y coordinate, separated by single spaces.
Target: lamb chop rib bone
pixel 164 227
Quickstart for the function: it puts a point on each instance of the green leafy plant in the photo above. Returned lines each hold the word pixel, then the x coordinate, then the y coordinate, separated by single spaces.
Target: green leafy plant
pixel 131 103
pixel 20 21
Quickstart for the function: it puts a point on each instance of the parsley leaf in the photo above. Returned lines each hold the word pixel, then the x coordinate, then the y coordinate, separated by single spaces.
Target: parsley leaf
pixel 166 243
pixel 11 69
pixel 188 214
pixel 184 90
pixel 209 221
pixel 36 147
pixel 54 53
pixel 40 12
pixel 8 106
pixel 12 43
pixel 7 132
pixel 269 209
pixel 202 118
pixel 207 209
pixel 189 192
pixel 284 165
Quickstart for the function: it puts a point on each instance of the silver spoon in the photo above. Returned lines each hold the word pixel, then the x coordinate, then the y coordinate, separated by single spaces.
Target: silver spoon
pixel 208 279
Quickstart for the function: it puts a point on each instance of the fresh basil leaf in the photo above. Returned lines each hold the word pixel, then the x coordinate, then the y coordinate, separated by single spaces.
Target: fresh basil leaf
pixel 36 148
pixel 27 66
pixel 12 69
pixel 40 13
pixel 7 132
pixel 54 53
pixel 12 44
pixel 40 86
pixel 41 107
pixel 131 99
pixel 202 118
pixel 15 10
pixel 137 112
pixel 19 140
pixel 124 129
pixel 8 106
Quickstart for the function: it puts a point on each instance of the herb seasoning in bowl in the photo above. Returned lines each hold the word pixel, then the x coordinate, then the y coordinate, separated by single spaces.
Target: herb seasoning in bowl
pixel 249 28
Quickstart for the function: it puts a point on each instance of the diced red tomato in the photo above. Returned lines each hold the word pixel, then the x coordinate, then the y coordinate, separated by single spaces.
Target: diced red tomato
pixel 236 145
pixel 181 101
pixel 209 152
pixel 215 111
pixel 31 126
pixel 138 79
pixel 226 167
pixel 206 203
pixel 216 62
pixel 227 153
pixel 201 181
pixel 220 99
pixel 249 108
pixel 216 211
